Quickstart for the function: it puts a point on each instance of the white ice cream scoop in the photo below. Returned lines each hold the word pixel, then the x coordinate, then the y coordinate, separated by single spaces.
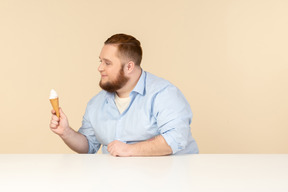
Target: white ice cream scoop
pixel 53 94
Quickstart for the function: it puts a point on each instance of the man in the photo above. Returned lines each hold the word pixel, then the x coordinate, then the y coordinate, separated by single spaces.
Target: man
pixel 136 114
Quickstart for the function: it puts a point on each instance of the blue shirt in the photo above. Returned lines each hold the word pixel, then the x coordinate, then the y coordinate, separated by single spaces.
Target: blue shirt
pixel 156 107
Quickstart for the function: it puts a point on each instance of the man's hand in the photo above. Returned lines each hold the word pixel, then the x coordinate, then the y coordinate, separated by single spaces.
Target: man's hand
pixel 60 126
pixel 155 146
pixel 76 141
pixel 119 149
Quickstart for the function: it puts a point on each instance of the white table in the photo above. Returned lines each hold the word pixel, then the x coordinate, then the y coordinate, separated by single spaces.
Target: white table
pixel 203 172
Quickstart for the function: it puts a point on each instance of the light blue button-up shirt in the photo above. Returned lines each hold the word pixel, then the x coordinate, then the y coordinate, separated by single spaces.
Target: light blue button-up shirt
pixel 156 107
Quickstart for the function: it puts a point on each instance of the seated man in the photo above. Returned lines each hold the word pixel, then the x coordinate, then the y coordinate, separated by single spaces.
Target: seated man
pixel 136 113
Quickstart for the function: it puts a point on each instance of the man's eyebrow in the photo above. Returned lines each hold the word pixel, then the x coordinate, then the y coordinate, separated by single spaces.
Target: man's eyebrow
pixel 105 59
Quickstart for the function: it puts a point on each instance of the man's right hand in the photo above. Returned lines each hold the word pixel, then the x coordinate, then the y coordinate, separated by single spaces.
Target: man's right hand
pixel 76 141
pixel 60 126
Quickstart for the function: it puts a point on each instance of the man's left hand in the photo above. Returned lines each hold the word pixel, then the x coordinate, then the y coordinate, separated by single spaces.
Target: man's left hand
pixel 119 149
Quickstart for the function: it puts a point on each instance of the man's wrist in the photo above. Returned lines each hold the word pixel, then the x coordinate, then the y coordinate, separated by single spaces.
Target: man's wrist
pixel 67 133
pixel 132 150
pixel 152 147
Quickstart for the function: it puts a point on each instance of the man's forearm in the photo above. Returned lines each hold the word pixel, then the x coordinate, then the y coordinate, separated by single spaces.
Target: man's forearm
pixel 156 146
pixel 76 141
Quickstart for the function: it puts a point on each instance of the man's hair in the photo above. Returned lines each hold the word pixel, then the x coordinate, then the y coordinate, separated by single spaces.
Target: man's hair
pixel 128 47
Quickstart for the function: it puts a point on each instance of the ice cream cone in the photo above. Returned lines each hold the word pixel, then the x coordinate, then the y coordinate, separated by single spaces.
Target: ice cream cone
pixel 55 105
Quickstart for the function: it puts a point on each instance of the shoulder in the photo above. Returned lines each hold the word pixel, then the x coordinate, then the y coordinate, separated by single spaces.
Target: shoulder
pixel 163 91
pixel 160 86
pixel 155 84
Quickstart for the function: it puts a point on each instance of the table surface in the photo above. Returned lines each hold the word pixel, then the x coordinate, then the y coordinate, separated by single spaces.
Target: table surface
pixel 201 172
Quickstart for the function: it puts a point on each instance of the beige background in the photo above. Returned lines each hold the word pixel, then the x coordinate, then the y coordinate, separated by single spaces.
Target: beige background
pixel 229 58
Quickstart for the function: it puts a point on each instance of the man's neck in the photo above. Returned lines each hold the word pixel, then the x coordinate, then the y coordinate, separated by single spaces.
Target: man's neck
pixel 132 82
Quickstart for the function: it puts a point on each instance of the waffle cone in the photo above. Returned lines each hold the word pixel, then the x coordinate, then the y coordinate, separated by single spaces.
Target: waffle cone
pixel 55 105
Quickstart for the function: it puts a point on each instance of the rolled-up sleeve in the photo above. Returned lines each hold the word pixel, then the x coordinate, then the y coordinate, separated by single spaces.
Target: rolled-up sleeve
pixel 174 115
pixel 87 130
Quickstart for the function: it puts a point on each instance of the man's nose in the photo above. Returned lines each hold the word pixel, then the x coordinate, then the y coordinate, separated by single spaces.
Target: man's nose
pixel 101 67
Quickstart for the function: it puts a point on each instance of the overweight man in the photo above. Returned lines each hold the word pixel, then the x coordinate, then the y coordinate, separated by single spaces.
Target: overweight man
pixel 136 113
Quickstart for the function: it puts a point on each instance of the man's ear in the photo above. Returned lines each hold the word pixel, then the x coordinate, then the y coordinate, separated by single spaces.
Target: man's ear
pixel 130 66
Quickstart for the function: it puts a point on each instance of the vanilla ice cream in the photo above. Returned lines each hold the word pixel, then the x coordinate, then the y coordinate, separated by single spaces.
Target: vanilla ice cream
pixel 53 94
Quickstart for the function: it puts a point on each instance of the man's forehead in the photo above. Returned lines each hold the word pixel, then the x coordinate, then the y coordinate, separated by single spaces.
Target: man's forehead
pixel 111 48
pixel 109 51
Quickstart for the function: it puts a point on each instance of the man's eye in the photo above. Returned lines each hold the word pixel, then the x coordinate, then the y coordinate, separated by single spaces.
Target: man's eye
pixel 107 63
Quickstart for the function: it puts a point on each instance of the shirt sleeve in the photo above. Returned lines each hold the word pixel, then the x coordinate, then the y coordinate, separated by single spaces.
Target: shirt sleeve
pixel 87 130
pixel 174 116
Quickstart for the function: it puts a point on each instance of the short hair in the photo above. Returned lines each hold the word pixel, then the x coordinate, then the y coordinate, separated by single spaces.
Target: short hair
pixel 128 46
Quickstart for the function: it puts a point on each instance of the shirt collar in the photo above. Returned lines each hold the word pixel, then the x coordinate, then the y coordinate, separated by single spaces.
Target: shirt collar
pixel 139 88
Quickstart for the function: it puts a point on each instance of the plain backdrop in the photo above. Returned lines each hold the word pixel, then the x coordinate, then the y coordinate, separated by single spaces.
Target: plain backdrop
pixel 228 57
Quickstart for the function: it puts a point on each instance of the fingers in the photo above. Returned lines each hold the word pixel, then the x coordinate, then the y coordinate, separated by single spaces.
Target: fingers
pixel 54 120
pixel 62 114
pixel 110 146
pixel 54 117
pixel 110 149
pixel 113 153
pixel 58 124
pixel 115 148
pixel 53 125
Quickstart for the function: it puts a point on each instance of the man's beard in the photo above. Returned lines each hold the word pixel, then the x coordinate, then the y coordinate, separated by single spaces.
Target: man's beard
pixel 117 84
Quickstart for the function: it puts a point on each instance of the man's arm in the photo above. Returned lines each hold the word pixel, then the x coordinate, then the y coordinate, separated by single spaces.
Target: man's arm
pixel 76 141
pixel 174 116
pixel 156 146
